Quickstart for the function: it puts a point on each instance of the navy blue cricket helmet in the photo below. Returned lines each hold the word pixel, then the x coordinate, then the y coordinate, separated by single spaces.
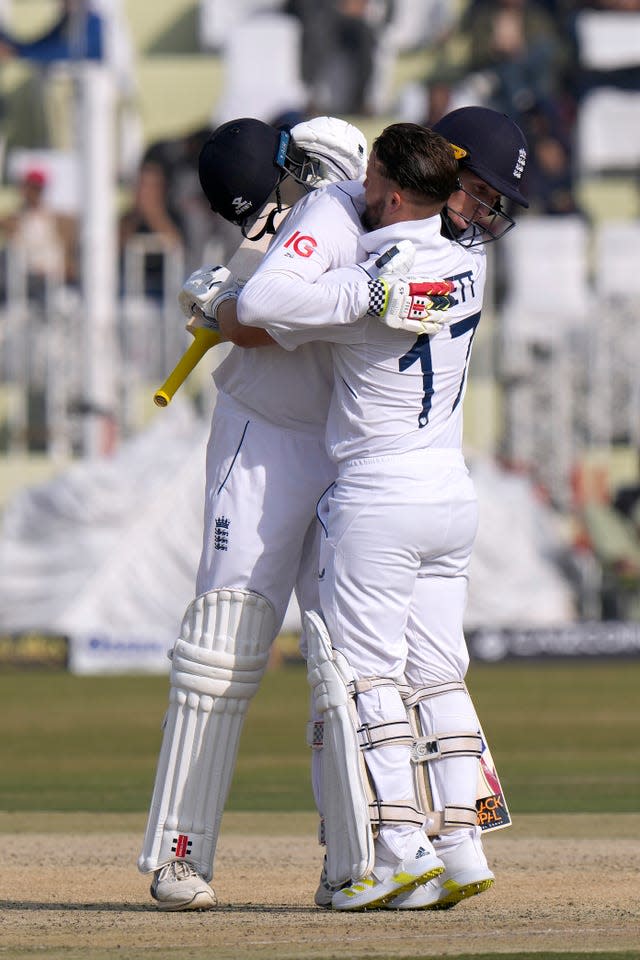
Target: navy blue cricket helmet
pixel 495 147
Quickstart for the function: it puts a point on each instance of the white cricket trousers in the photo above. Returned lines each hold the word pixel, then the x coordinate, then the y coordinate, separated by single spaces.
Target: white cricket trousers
pixel 262 486
pixel 393 582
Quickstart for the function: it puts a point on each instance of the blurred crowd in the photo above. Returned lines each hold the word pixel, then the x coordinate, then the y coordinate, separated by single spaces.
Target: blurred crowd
pixel 522 57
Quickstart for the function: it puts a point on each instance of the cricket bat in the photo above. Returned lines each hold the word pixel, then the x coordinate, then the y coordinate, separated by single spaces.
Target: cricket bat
pixel 242 265
pixel 203 340
pixel 493 812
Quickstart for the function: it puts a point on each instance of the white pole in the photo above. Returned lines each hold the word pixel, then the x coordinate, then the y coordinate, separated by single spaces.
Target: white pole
pixel 96 149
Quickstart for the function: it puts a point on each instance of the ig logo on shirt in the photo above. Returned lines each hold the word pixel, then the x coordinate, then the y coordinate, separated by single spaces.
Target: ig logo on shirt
pixel 300 244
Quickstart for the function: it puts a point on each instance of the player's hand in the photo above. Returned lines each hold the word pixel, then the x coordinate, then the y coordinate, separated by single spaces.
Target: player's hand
pixel 198 321
pixel 397 261
pixel 337 150
pixel 202 294
pixel 416 306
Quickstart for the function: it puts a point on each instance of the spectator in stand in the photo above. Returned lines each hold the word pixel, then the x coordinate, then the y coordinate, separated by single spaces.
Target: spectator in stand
pixel 519 61
pixel 517 45
pixel 550 174
pixel 88 30
pixel 77 34
pixel 168 202
pixel 44 241
pixel 38 257
pixel 613 529
pixel 339 48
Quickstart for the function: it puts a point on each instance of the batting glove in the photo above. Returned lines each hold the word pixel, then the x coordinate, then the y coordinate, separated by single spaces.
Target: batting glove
pixel 339 150
pixel 204 291
pixel 397 261
pixel 411 305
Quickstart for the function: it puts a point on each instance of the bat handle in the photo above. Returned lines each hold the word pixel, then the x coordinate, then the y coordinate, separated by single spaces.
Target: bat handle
pixel 203 340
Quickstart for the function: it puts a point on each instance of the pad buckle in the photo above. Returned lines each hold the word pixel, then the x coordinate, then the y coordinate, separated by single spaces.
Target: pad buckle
pixel 366 741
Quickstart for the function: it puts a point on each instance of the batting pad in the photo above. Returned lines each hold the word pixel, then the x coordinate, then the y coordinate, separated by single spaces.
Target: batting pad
pixel 456 780
pixel 347 825
pixel 217 666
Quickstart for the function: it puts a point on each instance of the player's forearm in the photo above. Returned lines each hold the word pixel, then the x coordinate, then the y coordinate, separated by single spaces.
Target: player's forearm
pixel 235 332
pixel 275 299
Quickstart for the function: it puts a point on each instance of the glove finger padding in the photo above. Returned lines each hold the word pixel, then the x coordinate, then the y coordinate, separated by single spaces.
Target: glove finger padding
pixel 409 305
pixel 339 150
pixel 204 291
pixel 397 261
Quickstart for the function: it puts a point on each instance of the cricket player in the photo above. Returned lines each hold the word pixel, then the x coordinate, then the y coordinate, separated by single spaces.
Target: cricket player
pixel 257 494
pixel 266 469
pixel 401 519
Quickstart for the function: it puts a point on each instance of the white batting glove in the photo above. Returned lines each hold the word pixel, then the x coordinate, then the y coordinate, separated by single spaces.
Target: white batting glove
pixel 397 261
pixel 338 148
pixel 204 291
pixel 415 306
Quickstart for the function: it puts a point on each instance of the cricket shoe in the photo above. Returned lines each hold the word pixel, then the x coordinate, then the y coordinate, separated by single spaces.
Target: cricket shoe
pixel 373 892
pixel 467 874
pixel 178 886
pixel 445 891
pixel 324 893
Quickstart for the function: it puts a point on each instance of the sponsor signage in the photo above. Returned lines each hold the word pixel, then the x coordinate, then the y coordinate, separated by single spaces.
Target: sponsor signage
pixel 94 653
pixel 613 638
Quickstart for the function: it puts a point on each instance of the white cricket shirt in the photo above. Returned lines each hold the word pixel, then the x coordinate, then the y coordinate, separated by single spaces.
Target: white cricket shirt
pixel 395 392
pixel 293 390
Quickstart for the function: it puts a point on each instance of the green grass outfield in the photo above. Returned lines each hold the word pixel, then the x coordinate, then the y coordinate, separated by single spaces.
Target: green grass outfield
pixel 564 736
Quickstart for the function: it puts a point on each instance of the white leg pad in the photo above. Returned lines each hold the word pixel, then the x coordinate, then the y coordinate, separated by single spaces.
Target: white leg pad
pixel 345 800
pixel 445 761
pixel 217 666
pixel 456 778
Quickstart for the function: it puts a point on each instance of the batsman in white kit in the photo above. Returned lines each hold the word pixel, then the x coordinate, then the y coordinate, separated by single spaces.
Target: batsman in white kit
pixel 266 469
pixel 242 592
pixel 387 663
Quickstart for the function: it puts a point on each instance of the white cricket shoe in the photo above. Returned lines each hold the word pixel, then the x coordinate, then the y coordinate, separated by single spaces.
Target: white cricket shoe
pixel 445 891
pixel 467 874
pixel 324 893
pixel 178 886
pixel 373 892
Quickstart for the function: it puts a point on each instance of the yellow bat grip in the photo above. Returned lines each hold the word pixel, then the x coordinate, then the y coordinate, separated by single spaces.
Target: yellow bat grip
pixel 203 340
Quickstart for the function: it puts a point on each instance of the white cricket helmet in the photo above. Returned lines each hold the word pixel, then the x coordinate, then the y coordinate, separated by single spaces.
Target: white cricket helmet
pixel 335 150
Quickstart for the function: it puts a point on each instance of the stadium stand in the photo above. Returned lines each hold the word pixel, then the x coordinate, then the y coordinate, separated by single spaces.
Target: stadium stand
pixel 541 350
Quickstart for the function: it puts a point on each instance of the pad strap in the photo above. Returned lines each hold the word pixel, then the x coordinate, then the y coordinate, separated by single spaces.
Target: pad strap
pixel 365 684
pixel 451 818
pixel 413 695
pixel 384 734
pixel 399 812
pixel 446 745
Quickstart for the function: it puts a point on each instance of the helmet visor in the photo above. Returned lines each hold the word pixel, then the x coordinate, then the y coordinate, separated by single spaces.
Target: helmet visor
pixel 481 223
